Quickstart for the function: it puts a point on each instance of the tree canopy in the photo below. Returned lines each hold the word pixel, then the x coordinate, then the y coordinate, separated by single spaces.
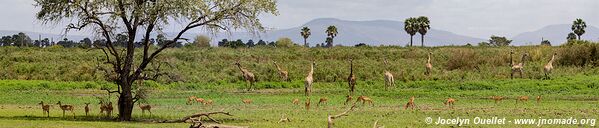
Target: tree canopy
pixel 131 17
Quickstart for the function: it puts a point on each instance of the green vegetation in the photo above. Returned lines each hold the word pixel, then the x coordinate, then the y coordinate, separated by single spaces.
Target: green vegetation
pixel 574 96
pixel 215 65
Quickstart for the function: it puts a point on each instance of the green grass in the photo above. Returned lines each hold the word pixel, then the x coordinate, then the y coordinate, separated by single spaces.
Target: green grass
pixel 574 96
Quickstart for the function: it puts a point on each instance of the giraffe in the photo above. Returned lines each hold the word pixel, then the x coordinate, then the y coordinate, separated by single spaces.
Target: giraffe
pixel 389 81
pixel 351 80
pixel 247 75
pixel 284 74
pixel 518 67
pixel 429 66
pixel 549 66
pixel 309 80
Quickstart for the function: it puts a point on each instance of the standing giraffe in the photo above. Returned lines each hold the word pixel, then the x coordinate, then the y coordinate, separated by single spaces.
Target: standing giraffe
pixel 429 66
pixel 351 80
pixel 284 74
pixel 247 75
pixel 309 80
pixel 518 67
pixel 389 81
pixel 549 66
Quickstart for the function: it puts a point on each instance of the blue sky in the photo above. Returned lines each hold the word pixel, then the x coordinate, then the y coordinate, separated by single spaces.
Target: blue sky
pixel 476 18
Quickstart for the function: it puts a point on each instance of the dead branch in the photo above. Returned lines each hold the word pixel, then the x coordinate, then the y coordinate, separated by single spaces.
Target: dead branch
pixel 197 115
pixel 284 119
pixel 345 113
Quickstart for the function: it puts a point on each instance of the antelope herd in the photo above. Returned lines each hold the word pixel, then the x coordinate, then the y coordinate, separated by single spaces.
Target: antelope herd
pixel 105 108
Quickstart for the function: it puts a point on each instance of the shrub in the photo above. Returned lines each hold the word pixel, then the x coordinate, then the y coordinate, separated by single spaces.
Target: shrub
pixel 579 53
pixel 463 58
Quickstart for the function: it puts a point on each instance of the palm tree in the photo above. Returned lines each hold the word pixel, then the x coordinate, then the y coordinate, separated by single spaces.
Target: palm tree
pixel 306 33
pixel 423 27
pixel 332 33
pixel 571 36
pixel 410 27
pixel 578 27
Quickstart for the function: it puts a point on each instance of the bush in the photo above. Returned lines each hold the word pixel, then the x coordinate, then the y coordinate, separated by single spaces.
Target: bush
pixel 284 42
pixel 579 53
pixel 463 58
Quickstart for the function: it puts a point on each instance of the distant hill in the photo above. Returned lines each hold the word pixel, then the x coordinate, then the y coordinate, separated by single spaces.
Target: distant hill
pixel 376 32
pixel 556 34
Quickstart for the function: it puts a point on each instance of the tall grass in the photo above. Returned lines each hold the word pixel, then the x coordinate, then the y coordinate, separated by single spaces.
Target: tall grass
pixel 215 65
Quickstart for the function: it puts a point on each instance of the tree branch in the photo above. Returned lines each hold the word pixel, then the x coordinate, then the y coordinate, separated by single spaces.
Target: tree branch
pixel 197 115
pixel 345 113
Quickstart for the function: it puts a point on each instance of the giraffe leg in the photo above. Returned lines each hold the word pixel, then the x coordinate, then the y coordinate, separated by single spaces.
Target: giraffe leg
pixel 512 75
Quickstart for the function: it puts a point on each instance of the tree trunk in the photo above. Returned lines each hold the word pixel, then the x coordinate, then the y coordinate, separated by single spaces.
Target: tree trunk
pixel 125 104
pixel 411 36
pixel 422 40
pixel 579 37
pixel 305 43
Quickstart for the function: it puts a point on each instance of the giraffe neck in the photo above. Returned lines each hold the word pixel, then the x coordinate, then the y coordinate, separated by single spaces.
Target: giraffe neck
pixel 311 70
pixel 240 68
pixel 351 67
pixel 429 59
pixel 511 59
pixel 278 68
pixel 523 60
pixel 552 59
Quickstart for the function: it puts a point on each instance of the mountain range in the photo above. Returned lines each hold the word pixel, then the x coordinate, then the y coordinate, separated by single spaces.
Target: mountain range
pixel 374 32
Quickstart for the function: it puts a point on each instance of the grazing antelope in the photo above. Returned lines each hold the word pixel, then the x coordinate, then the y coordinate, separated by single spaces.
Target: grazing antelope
pixel 102 107
pixel 200 100
pixel 109 109
pixel 365 99
pixel 429 65
pixel 522 98
pixel 295 101
pixel 247 75
pixel 284 74
pixel 307 104
pixel 348 99
pixel 66 108
pixel 323 100
pixel 86 108
pixel 351 79
pixel 191 99
pixel 45 108
pixel 549 66
pixel 497 98
pixel 309 80
pixel 410 103
pixel 246 101
pixel 449 102
pixel 208 102
pixel 144 108
pixel 538 99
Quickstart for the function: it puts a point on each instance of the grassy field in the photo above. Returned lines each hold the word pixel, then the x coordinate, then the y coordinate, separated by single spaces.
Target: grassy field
pixel 469 74
pixel 564 97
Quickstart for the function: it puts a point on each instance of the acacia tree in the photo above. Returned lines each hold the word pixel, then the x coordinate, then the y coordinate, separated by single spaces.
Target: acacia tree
pixel 132 17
